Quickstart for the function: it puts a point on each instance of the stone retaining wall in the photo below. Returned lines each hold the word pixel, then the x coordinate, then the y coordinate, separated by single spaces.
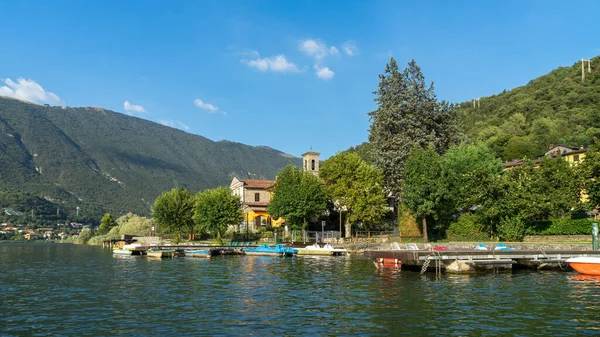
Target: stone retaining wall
pixel 558 238
pixel 541 246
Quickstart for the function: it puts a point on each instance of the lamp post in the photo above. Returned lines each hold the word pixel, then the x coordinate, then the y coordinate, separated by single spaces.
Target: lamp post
pixel 595 236
pixel 323 231
pixel 246 225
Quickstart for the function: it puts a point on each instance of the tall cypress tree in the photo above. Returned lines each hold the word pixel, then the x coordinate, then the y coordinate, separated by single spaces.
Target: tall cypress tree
pixel 407 115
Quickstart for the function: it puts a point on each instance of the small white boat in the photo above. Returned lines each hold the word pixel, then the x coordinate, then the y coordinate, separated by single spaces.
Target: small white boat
pixel 130 249
pixel 125 252
pixel 133 246
pixel 588 265
pixel 327 249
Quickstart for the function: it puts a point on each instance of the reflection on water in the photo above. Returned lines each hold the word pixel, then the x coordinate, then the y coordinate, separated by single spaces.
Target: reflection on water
pixel 79 290
pixel 585 278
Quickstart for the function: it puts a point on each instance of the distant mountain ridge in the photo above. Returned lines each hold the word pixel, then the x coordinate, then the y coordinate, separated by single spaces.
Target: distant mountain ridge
pixel 101 160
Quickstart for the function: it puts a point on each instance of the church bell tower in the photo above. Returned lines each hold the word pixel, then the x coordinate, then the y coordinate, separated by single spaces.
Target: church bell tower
pixel 310 162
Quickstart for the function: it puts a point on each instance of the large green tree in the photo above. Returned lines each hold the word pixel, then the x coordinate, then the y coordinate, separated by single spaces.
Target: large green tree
pixel 356 187
pixel 106 224
pixel 465 165
pixel 424 185
pixel 131 224
pixel 407 115
pixel 216 210
pixel 298 196
pixel 174 210
pixel 364 150
pixel 487 192
pixel 538 193
pixel 589 174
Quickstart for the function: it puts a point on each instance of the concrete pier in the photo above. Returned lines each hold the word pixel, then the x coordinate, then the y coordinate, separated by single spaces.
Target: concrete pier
pixel 478 260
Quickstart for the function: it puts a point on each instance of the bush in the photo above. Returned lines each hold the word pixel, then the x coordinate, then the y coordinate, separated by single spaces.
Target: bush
pixel 265 232
pixel 537 227
pixel 98 239
pixel 131 224
pixel 84 236
pixel 267 235
pixel 468 227
pixel 561 226
pixel 511 229
pixel 228 235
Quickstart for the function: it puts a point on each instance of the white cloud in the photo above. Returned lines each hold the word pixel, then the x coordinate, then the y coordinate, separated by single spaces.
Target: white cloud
pixel 317 49
pixel 207 106
pixel 350 48
pixel 277 63
pixel 174 124
pixel 133 108
pixel 29 90
pixel 324 73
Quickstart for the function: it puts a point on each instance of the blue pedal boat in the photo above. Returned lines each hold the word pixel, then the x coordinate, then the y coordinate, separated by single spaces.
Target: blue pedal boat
pixel 204 253
pixel 266 250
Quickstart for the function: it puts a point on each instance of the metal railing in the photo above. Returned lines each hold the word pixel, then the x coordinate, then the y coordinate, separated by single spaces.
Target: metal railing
pixel 375 236
pixel 313 236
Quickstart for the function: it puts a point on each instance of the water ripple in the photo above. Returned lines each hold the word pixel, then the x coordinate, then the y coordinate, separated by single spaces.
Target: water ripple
pixel 50 290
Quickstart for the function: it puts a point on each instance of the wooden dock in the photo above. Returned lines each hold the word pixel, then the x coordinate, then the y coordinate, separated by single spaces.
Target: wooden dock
pixel 215 250
pixel 464 261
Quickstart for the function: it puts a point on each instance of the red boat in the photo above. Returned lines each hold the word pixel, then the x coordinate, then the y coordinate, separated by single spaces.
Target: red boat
pixel 384 262
pixel 587 265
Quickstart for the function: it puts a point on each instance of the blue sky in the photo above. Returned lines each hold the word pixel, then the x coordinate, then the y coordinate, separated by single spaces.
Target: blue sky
pixel 286 74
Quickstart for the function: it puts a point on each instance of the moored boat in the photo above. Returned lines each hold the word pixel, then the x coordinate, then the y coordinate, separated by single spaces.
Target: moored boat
pixel 125 252
pixel 588 265
pixel 502 246
pixel 204 253
pixel 327 250
pixel 266 250
pixel 160 253
pixel 130 249
pixel 387 263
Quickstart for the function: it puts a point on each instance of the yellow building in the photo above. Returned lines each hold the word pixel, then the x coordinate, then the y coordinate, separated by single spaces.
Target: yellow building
pixel 256 196
pixel 573 155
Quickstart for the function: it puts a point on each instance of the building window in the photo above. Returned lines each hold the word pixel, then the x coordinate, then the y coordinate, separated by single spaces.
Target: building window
pixel 576 157
pixel 313 165
pixel 257 197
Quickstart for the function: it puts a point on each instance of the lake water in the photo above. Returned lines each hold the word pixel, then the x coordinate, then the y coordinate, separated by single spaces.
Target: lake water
pixel 63 289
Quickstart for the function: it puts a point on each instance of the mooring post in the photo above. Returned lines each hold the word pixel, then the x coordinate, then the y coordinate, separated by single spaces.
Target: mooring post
pixel 595 236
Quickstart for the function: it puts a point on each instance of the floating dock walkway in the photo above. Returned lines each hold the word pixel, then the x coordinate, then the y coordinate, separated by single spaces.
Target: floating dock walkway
pixel 465 261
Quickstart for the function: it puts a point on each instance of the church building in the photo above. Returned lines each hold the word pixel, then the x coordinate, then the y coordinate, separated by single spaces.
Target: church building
pixel 256 195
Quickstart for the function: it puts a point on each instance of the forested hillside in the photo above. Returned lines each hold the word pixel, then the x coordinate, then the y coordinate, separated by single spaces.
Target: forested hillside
pixel 554 108
pixel 100 160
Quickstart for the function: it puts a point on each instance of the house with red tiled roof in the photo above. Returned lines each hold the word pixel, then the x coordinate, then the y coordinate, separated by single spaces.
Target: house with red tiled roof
pixel 571 154
pixel 256 196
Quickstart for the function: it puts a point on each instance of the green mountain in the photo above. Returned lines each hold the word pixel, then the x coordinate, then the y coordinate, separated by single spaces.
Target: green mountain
pixel 103 161
pixel 557 108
